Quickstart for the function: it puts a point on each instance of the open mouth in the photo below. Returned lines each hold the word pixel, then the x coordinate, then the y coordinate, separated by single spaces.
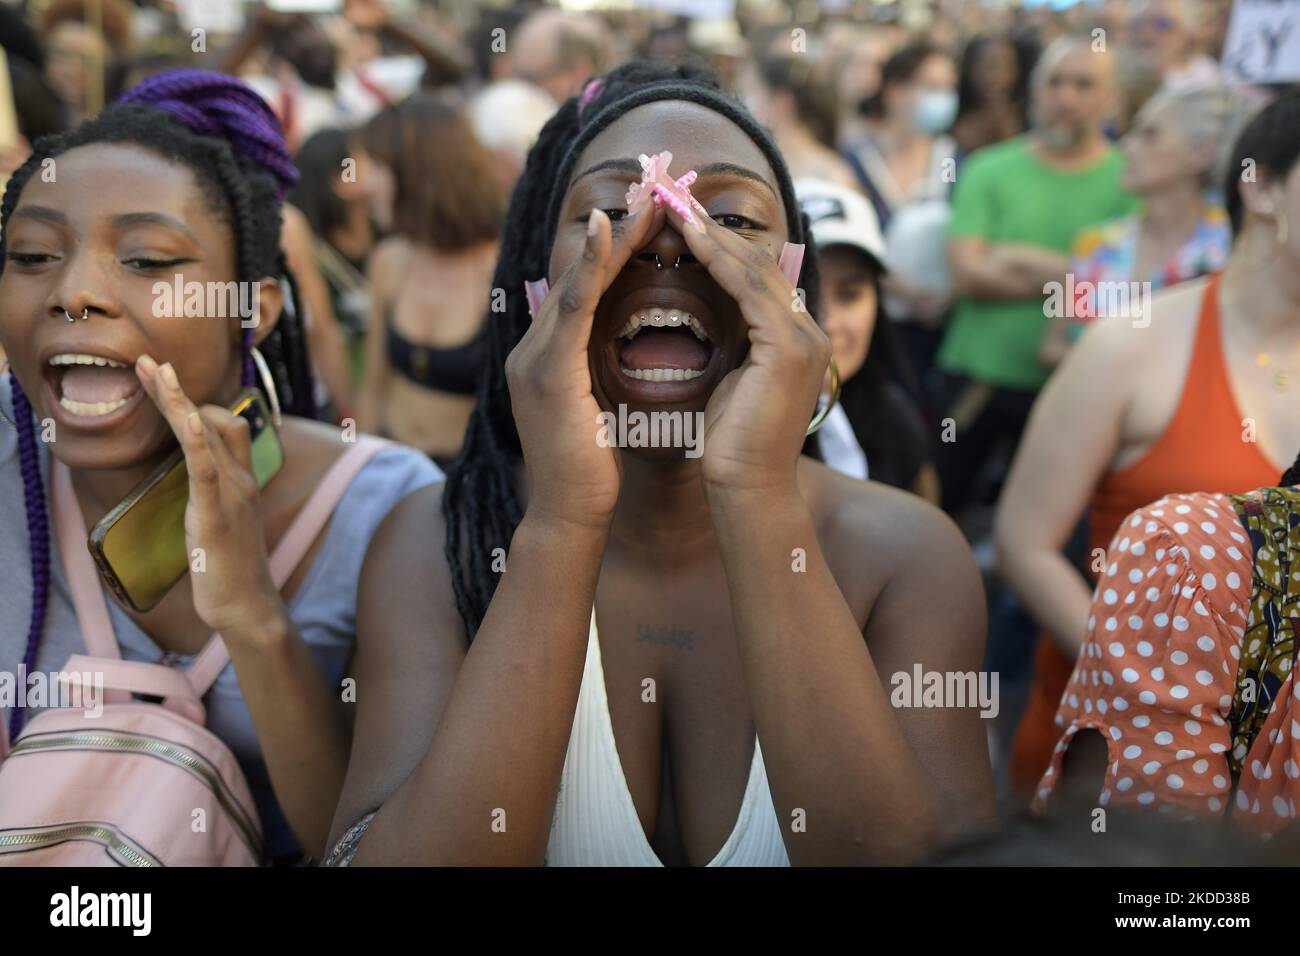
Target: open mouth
pixel 91 386
pixel 663 345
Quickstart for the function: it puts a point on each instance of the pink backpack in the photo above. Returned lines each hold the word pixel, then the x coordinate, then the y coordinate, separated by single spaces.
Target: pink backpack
pixel 142 784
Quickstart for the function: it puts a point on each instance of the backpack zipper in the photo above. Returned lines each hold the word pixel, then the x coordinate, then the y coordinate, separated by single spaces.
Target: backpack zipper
pixel 182 757
pixel 119 848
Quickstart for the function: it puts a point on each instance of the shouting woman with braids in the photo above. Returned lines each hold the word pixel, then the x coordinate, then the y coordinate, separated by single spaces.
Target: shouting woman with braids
pixel 687 660
pixel 182 183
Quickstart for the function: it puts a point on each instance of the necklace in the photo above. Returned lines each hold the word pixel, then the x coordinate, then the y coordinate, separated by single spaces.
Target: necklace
pixel 1281 378
pixel 1281 373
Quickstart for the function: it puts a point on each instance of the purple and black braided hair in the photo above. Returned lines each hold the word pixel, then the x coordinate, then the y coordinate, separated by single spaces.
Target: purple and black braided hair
pixel 227 135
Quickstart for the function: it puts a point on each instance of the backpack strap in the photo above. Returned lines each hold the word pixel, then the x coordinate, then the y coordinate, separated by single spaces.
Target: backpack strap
pixel 139 677
pixel 292 547
pixel 83 577
pixel 88 592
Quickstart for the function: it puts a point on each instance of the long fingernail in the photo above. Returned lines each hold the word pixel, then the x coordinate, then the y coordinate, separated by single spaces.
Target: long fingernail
pixel 146 364
pixel 593 223
pixel 169 375
pixel 535 292
pixel 791 261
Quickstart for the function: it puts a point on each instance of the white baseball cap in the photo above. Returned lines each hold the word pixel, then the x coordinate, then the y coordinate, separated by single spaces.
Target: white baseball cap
pixel 841 217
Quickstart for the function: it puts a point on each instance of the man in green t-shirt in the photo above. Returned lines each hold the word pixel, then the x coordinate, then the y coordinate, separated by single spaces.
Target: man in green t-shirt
pixel 1016 209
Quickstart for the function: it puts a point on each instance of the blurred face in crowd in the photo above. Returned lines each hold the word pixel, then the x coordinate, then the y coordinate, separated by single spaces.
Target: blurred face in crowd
pixel 74 51
pixel 358 188
pixel 1157 151
pixel 1072 93
pixel 375 185
pixel 119 220
pixel 1159 32
pixel 929 99
pixel 848 305
pixel 860 78
pixel 1211 28
pixel 310 51
pixel 773 108
pixel 557 51
pixel 736 186
pixel 996 69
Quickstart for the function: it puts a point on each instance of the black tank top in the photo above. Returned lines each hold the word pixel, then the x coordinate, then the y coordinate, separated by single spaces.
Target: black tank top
pixel 454 370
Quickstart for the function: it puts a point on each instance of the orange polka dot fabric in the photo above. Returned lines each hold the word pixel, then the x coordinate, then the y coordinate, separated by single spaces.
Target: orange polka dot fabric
pixel 1158 670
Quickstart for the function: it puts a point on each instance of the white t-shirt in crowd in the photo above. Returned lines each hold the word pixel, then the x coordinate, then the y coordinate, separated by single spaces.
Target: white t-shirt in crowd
pixel 839 446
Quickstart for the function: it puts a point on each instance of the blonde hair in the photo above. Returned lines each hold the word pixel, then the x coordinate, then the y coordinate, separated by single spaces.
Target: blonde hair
pixel 1207 113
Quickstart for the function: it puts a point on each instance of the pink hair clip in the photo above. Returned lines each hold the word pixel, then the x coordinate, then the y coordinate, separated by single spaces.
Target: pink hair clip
pixel 658 187
pixel 593 89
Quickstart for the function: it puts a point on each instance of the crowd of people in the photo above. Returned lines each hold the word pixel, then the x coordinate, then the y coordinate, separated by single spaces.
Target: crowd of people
pixel 988 316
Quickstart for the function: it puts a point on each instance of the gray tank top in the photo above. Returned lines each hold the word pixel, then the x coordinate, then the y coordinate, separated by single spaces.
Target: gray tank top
pixel 323 607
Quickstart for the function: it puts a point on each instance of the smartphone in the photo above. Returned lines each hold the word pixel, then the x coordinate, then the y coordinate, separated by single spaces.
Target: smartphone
pixel 139 546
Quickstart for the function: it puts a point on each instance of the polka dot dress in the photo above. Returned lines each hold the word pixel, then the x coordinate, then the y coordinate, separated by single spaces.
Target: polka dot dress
pixel 1157 673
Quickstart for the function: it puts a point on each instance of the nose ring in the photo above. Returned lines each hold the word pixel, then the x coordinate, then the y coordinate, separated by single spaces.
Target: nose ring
pixel 659 262
pixel 85 314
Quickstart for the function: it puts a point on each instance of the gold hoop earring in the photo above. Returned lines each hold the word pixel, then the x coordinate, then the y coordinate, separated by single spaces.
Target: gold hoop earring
pixel 820 418
pixel 268 384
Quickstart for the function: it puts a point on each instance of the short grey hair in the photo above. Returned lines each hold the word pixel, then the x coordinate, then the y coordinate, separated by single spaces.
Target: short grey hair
pixel 1206 113
pixel 1056 50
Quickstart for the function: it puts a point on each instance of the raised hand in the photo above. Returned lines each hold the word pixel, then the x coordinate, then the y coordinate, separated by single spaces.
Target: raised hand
pixel 756 419
pixel 570 476
pixel 234 593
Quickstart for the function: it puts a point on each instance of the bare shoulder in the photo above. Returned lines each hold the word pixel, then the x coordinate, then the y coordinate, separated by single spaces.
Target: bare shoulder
pixel 311 445
pixel 412 533
pixel 311 448
pixel 867 508
pixel 418 515
pixel 1176 310
pixel 1169 316
pixel 387 259
pixel 878 538
pixel 293 225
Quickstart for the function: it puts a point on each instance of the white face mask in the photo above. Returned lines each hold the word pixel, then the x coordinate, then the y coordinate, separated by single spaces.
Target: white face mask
pixel 934 111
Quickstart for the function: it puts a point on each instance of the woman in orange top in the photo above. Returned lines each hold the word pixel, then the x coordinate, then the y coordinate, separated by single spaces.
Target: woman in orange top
pixel 1194 395
pixel 1186 670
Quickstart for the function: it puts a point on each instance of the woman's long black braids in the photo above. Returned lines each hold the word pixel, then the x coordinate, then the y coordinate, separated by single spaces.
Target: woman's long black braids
pixel 240 161
pixel 481 503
